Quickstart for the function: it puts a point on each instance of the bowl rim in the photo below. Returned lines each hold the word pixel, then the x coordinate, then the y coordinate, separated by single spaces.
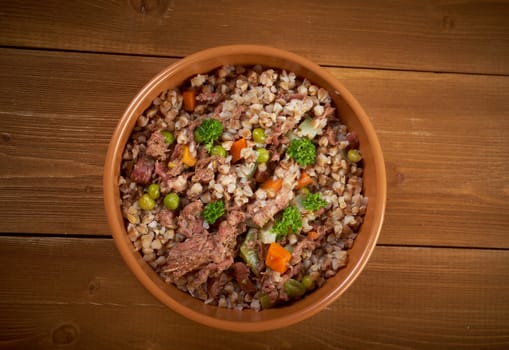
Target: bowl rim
pixel 111 193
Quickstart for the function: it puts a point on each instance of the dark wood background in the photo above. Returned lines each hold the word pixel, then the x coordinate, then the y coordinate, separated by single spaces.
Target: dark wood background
pixel 433 76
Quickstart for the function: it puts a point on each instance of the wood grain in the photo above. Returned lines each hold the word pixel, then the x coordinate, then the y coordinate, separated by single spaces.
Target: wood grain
pixel 78 292
pixel 452 36
pixel 57 115
pixel 433 78
pixel 444 138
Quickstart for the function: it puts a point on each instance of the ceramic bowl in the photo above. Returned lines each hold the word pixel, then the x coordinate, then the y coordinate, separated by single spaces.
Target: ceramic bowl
pixel 351 114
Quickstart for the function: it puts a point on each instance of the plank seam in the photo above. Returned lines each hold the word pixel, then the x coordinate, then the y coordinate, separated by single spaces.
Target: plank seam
pixel 46 49
pixel 97 236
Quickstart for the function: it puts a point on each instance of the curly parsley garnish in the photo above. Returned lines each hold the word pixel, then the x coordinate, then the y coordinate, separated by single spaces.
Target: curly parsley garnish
pixel 303 151
pixel 314 201
pixel 290 222
pixel 213 211
pixel 209 131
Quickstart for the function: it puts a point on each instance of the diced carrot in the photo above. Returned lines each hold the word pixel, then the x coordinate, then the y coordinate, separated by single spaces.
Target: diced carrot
pixel 272 186
pixel 312 235
pixel 277 257
pixel 189 100
pixel 237 146
pixel 187 157
pixel 304 180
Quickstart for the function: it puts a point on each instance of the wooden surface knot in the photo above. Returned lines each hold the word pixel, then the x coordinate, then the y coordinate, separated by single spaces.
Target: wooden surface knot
pixel 394 174
pixel 5 137
pixel 149 7
pixel 93 286
pixel 448 23
pixel 65 334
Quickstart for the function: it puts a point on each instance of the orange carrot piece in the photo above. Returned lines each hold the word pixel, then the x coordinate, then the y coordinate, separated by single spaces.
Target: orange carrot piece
pixel 237 146
pixel 277 257
pixel 272 186
pixel 312 235
pixel 187 157
pixel 304 180
pixel 189 100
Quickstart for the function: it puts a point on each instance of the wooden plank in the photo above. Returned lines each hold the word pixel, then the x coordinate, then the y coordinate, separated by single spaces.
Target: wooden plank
pixel 57 115
pixel 58 291
pixel 444 137
pixel 441 35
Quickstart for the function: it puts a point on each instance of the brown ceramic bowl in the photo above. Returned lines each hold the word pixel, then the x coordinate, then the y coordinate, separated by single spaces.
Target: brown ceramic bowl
pixel 375 188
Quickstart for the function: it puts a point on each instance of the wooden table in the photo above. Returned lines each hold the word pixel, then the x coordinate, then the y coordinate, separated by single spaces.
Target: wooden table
pixel 433 78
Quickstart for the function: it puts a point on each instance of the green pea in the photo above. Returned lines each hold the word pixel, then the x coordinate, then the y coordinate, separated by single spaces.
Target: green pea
pixel 218 151
pixel 197 136
pixel 308 282
pixel 259 135
pixel 305 190
pixel 171 201
pixel 354 155
pixel 168 137
pixel 263 155
pixel 146 203
pixel 294 288
pixel 265 301
pixel 153 191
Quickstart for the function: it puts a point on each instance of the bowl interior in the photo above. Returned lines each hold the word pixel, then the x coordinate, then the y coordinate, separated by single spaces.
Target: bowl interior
pixel 374 188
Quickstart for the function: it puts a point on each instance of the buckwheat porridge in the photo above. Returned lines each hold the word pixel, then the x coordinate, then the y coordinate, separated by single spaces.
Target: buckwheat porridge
pixel 242 187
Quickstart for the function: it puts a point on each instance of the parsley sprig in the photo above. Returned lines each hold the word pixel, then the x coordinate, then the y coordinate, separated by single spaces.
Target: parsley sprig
pixel 290 221
pixel 313 202
pixel 208 132
pixel 303 151
pixel 213 211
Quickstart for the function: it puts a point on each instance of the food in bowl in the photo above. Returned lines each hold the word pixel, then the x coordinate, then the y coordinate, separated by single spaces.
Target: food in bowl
pixel 242 187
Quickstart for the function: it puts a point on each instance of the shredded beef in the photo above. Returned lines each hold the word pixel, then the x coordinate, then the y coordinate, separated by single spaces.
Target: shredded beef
pixel 301 246
pixel 331 136
pixel 216 284
pixel 190 221
pixel 174 184
pixel 166 217
pixel 157 146
pixel 260 214
pixel 353 140
pixel 198 277
pixel 236 217
pixel 226 235
pixel 188 255
pixel 205 169
pixel 142 171
pixel 269 287
pixel 209 97
pixel 201 250
pixel 241 274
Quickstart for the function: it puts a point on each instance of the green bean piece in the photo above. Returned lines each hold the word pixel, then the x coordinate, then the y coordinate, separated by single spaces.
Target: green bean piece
pixel 294 288
pixel 248 252
pixel 250 257
pixel 146 202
